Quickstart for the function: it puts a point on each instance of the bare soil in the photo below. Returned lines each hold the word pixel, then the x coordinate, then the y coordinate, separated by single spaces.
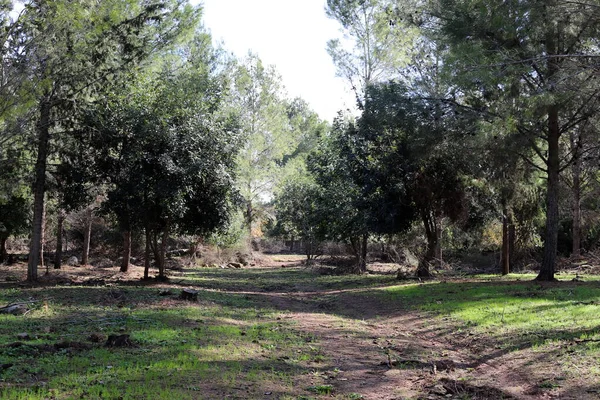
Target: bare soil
pixel 377 349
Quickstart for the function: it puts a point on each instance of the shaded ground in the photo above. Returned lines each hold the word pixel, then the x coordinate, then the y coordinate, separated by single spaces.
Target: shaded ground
pixel 367 347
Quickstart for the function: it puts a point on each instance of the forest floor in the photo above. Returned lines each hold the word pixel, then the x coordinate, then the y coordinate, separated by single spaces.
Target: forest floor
pixel 285 331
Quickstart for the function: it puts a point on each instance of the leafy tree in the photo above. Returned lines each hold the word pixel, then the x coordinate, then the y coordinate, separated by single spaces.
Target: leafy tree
pixel 376 43
pixel 167 148
pixel 352 207
pixel 405 147
pixel 257 98
pixel 519 59
pixel 68 51
pixel 300 215
pixel 14 219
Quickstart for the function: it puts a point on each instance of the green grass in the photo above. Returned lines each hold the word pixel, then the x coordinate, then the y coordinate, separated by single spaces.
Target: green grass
pixel 278 280
pixel 223 345
pixel 517 313
pixel 236 343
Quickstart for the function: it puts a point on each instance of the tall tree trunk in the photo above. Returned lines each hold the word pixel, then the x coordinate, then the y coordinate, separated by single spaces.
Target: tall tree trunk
pixel 363 253
pixel 505 242
pixel 43 239
pixel 248 217
pixel 576 195
pixel 126 251
pixel 423 270
pixel 163 252
pixel 59 239
pixel 551 236
pixel 147 253
pixel 439 261
pixel 512 239
pixel 3 252
pixel 39 188
pixel 87 233
pixel 553 162
pixel 156 250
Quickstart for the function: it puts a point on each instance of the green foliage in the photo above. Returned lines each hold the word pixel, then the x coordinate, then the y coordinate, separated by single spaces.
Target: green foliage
pixel 15 216
pixel 514 313
pixel 166 147
pixel 300 215
pixel 376 42
pixel 525 66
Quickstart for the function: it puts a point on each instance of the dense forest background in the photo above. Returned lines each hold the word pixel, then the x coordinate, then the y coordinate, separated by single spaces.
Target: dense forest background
pixel 125 130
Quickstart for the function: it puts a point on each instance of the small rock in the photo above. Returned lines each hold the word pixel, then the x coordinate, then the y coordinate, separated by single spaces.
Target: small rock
pixel 72 261
pixel 189 294
pixel 17 309
pixel 118 341
pixel 96 337
pixel 439 389
pixel 23 336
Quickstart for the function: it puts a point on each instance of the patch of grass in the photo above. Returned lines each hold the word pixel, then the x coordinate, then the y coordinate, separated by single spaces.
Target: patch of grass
pixel 293 279
pixel 224 345
pixel 524 311
pixel 321 389
pixel 558 320
pixel 355 396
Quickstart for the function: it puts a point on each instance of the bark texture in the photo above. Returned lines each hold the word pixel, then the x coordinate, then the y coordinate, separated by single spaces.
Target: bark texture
pixel 86 236
pixel 39 188
pixel 126 251
pixel 59 239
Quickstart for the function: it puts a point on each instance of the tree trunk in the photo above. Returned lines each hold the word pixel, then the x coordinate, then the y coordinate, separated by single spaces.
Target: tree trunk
pixel 551 236
pixel 59 239
pixel 248 217
pixel 553 163
pixel 86 236
pixel 357 248
pixel 3 252
pixel 505 242
pixel 147 254
pixel 512 239
pixel 126 251
pixel 439 261
pixel 576 196
pixel 39 189
pixel 162 253
pixel 43 238
pixel 423 270
pixel 363 254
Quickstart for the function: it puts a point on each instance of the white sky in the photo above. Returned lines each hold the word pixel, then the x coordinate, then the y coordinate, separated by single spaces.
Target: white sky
pixel 290 34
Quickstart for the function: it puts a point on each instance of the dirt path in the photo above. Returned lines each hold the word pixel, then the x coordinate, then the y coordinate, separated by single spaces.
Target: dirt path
pixel 400 358
pixel 409 354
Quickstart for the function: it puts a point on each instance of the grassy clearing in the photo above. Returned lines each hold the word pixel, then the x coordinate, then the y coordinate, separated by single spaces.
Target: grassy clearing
pixel 278 280
pixel 236 343
pixel 222 346
pixel 560 320
pixel 503 308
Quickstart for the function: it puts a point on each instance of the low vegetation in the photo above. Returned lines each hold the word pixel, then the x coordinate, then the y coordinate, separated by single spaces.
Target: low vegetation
pixel 270 332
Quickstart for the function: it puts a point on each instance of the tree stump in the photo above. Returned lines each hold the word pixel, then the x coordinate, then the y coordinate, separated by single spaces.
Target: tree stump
pixel 118 341
pixel 189 294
